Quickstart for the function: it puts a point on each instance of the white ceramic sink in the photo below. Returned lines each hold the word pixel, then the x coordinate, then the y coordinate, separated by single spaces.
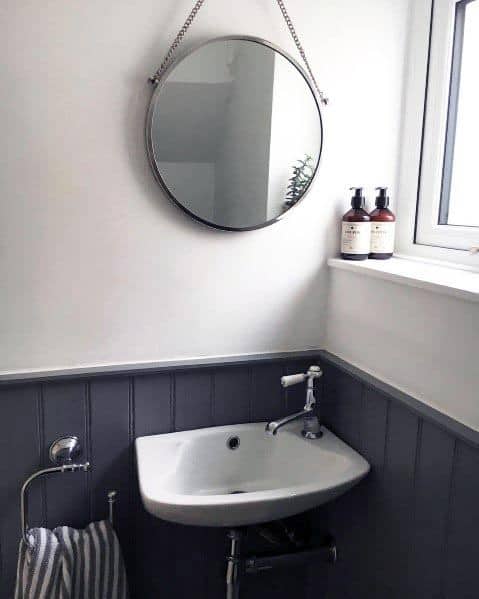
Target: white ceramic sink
pixel 193 477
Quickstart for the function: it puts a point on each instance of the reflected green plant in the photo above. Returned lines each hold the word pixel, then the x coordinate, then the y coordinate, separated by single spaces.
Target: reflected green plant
pixel 303 172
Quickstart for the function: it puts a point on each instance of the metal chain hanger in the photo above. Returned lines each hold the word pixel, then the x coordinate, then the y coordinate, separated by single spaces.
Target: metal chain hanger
pixel 191 17
pixel 294 35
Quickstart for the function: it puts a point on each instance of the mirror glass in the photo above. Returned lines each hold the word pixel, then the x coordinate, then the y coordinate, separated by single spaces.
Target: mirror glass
pixel 234 133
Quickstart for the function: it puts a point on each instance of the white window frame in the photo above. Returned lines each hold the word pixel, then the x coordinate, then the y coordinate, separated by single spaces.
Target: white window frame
pixel 426 104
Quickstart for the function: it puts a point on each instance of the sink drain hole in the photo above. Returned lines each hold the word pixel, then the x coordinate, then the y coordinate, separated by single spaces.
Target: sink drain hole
pixel 233 443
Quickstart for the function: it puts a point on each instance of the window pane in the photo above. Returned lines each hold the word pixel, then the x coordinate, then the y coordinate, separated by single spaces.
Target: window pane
pixel 464 194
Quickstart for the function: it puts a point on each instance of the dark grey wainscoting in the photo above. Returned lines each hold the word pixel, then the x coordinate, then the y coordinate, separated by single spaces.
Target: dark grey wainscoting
pixel 411 529
pixel 107 413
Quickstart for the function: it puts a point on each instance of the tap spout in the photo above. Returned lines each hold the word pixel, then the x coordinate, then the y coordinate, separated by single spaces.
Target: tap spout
pixel 273 427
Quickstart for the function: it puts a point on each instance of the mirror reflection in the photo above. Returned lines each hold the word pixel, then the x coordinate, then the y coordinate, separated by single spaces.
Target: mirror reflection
pixel 235 133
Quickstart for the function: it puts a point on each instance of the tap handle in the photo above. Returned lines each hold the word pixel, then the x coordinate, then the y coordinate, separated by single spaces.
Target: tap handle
pixel 314 371
pixel 292 379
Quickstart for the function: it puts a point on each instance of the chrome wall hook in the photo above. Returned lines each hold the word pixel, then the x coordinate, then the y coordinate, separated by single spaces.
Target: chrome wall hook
pixel 111 501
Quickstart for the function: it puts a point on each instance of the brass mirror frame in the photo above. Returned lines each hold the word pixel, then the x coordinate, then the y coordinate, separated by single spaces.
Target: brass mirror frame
pixel 149 121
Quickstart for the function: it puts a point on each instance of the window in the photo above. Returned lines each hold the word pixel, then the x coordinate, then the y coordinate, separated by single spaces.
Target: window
pixel 459 204
pixel 448 193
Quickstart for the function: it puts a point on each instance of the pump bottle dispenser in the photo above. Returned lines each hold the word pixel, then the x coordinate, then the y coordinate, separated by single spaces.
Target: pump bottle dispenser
pixel 382 227
pixel 356 229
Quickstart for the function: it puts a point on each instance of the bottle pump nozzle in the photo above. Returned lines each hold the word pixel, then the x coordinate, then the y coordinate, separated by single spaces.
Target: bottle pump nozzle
pixel 382 199
pixel 357 201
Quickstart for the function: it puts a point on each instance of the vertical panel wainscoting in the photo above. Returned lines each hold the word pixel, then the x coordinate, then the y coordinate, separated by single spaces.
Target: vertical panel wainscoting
pixel 108 412
pixel 411 528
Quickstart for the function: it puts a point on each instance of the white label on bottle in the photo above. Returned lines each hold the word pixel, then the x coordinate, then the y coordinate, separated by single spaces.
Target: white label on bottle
pixel 355 238
pixel 382 237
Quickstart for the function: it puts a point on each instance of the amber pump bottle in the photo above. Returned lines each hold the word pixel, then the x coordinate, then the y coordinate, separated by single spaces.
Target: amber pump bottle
pixel 383 223
pixel 356 229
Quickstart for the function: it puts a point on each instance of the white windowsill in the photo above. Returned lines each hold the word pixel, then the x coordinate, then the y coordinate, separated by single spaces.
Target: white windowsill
pixel 456 282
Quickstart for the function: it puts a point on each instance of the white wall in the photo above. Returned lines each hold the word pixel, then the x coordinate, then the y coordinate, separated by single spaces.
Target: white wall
pixel 420 341
pixel 96 266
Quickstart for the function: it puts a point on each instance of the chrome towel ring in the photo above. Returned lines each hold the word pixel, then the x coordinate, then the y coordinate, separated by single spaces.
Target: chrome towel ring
pixel 62 452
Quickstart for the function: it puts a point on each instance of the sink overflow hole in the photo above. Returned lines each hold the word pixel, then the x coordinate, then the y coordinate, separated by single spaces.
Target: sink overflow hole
pixel 233 443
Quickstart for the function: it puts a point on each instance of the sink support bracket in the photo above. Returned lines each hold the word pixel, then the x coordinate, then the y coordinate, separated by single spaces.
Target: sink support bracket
pixel 238 566
pixel 233 564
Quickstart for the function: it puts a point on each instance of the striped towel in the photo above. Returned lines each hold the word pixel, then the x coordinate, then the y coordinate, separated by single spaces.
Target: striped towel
pixel 71 564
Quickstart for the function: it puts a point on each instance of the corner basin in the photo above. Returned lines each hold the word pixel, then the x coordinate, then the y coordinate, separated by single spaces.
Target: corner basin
pixel 194 477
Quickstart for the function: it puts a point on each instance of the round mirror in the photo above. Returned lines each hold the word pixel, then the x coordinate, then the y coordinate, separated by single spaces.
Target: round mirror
pixel 234 133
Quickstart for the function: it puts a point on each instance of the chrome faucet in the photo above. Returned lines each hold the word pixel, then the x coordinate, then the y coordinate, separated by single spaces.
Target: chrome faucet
pixel 311 423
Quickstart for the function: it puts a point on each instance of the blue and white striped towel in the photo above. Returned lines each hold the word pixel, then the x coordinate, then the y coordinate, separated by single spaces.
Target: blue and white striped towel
pixel 71 564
